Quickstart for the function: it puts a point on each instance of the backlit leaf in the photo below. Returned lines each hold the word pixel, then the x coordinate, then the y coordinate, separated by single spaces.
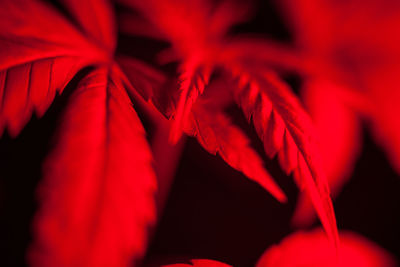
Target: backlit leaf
pixel 97 19
pixel 37 59
pixel 313 249
pixel 97 194
pixel 339 132
pixel 193 81
pixel 217 134
pixel 285 129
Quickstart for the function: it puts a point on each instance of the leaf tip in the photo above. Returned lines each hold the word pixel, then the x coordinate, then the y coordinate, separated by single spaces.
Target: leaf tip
pixel 281 197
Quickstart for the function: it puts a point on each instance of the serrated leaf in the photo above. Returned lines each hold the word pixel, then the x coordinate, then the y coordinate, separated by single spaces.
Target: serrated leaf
pixel 286 130
pixel 97 197
pixel 37 59
pixel 339 133
pixel 217 134
pixel 193 81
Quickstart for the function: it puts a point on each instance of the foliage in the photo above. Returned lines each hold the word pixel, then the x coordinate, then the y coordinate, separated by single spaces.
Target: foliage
pixel 98 193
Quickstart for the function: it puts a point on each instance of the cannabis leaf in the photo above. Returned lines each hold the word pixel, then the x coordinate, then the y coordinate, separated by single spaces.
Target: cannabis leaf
pixel 196 31
pixel 97 193
pixel 340 148
pixel 37 60
pixel 96 20
pixel 97 197
pixel 284 128
pixel 217 134
pixel 281 122
pixel 357 54
pixel 193 81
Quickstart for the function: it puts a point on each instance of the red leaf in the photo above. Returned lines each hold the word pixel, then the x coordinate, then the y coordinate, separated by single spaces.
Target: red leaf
pixel 145 80
pixel 339 133
pixel 314 249
pixel 194 28
pixel 261 53
pixel 96 17
pixel 357 49
pixel 285 128
pixel 200 263
pixel 217 134
pixel 193 81
pixel 97 195
pixel 384 93
pixel 37 59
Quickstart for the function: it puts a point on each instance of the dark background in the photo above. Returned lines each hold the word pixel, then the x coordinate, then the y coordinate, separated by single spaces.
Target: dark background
pixel 213 211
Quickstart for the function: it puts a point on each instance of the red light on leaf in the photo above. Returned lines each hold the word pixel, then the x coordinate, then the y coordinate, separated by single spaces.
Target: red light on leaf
pixel 217 134
pixel 339 135
pixel 314 249
pixel 285 128
pixel 98 192
pixel 37 59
